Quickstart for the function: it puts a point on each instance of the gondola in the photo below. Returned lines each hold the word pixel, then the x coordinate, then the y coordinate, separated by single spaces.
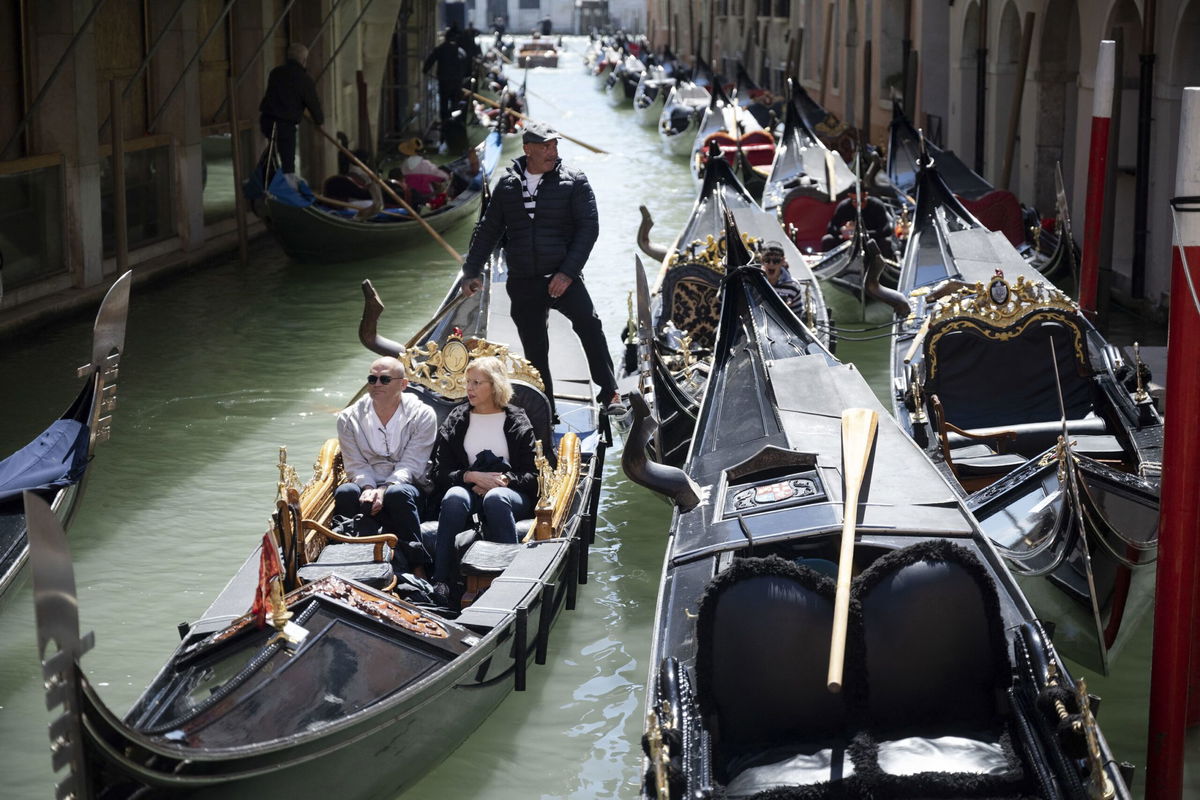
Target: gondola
pixel 806 181
pixel 537 52
pixel 760 103
pixel 622 83
pixel 997 209
pixel 947 686
pixel 55 464
pixel 744 144
pixel 1044 427
pixel 684 109
pixel 674 358
pixel 344 687
pixel 651 94
pixel 310 230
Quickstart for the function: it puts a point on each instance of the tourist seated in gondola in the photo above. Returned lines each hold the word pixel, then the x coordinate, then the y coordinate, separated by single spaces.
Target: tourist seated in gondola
pixel 424 180
pixel 354 186
pixel 484 463
pixel 875 218
pixel 386 438
pixel 774 263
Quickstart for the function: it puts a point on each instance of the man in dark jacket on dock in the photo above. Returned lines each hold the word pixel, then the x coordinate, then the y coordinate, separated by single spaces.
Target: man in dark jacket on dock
pixel 290 90
pixel 451 63
pixel 546 213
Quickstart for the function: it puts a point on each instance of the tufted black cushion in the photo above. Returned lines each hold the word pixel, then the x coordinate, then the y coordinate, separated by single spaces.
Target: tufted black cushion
pixel 351 561
pixel 935 648
pixel 763 653
pixel 489 558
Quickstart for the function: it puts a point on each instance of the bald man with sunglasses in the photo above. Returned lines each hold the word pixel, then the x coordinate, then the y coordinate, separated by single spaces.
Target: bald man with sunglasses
pixel 386 437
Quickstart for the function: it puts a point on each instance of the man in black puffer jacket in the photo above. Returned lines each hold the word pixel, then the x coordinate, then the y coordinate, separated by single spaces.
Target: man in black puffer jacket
pixel 546 213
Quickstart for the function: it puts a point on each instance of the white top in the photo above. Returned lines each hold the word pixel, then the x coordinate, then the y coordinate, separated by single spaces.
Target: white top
pixel 416 165
pixel 485 432
pixel 375 453
pixel 531 182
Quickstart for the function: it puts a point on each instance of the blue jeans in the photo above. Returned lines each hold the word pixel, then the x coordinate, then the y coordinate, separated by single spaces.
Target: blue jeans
pixel 400 512
pixel 500 509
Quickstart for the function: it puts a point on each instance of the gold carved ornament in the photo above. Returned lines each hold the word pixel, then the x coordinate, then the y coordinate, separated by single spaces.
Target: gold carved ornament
pixel 1001 311
pixel 443 368
pixel 707 252
pixel 556 488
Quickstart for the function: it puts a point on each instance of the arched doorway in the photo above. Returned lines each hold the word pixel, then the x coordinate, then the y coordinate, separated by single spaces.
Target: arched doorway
pixel 1058 101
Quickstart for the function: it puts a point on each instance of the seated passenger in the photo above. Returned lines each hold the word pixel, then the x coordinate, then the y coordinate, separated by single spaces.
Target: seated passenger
pixel 484 462
pixel 354 187
pixel 386 439
pixel 875 217
pixel 774 263
pixel 424 179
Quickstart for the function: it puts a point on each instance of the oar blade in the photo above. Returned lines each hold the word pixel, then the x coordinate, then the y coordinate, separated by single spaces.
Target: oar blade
pixel 859 426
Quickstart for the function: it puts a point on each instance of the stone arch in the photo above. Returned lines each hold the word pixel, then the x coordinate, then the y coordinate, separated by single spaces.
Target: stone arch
pixel 1057 102
pixel 966 69
pixel 1185 52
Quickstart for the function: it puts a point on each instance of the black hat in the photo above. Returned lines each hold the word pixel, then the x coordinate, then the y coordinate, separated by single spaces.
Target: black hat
pixel 538 132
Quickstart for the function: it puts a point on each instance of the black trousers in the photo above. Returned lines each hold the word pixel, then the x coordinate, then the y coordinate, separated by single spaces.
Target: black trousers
pixel 531 304
pixel 449 98
pixel 285 140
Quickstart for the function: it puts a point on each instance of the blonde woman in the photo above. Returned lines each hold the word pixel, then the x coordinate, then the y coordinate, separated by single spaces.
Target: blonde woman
pixel 484 462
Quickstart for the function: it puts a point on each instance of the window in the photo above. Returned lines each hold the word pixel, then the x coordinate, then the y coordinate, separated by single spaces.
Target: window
pixel 148 197
pixel 31 217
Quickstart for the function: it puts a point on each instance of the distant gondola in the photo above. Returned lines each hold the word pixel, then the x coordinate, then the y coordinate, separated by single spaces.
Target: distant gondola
pixel 622 83
pixel 680 320
pixel 310 230
pixel 998 209
pixel 349 689
pixel 949 688
pixel 684 109
pixel 744 144
pixel 806 181
pixel 1041 424
pixel 654 85
pixel 54 465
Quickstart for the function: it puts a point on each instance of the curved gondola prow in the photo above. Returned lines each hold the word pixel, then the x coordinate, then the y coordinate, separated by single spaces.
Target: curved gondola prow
pixel 108 343
pixel 933 193
pixel 56 608
pixel 671 482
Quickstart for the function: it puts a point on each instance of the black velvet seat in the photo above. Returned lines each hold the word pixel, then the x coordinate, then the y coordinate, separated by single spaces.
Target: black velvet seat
pixel 352 561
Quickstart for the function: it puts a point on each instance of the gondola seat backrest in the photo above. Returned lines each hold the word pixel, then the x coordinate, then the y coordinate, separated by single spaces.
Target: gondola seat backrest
pixel 533 401
pixel 806 218
pixel 759 669
pixel 999 210
pixel 691 296
pixel 987 377
pixel 935 650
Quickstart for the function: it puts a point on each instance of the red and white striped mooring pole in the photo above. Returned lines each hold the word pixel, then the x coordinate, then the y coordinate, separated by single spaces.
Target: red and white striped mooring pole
pixel 1175 672
pixel 1102 103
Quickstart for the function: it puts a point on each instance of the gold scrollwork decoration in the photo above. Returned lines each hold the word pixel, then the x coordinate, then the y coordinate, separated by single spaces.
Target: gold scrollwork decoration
pixel 443 368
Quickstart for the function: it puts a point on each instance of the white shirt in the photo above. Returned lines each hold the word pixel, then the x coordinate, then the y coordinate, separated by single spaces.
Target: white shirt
pixel 531 182
pixel 375 453
pixel 485 432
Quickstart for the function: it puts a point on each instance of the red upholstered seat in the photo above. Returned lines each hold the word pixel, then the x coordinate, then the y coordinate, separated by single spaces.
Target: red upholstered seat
pixel 759 147
pixel 726 142
pixel 806 220
pixel 999 211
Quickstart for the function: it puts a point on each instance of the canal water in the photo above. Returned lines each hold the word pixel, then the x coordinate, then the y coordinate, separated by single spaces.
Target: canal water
pixel 225 365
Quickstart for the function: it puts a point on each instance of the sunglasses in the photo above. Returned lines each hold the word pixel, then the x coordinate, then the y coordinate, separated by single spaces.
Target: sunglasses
pixel 384 379
pixel 772 260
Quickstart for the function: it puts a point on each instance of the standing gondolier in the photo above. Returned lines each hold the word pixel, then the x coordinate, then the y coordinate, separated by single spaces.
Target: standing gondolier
pixel 451 63
pixel 290 90
pixel 546 213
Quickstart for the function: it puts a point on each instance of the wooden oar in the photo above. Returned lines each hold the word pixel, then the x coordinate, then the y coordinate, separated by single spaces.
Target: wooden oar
pixel 858 436
pixel 519 115
pixel 391 192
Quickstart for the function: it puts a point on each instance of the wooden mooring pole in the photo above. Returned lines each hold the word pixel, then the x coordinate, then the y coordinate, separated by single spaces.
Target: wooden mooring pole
pixel 120 208
pixel 239 199
pixel 1174 680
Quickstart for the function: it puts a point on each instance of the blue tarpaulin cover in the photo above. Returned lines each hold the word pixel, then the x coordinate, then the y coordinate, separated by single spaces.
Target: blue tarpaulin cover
pixel 54 459
pixel 283 191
